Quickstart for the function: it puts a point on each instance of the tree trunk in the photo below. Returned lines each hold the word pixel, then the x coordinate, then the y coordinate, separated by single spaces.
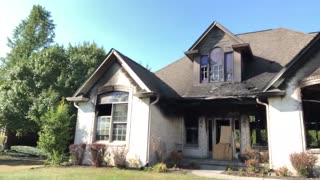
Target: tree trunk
pixel 10 139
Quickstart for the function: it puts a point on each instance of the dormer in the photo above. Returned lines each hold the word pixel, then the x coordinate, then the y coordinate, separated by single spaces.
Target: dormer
pixel 217 56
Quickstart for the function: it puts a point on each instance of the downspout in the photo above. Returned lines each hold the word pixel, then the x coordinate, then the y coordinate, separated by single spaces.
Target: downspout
pixel 75 105
pixel 268 130
pixel 148 137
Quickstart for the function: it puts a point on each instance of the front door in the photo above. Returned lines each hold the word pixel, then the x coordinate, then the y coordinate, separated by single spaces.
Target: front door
pixel 216 133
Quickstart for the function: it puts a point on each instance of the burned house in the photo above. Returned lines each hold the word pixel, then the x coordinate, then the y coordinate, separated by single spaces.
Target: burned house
pixel 228 92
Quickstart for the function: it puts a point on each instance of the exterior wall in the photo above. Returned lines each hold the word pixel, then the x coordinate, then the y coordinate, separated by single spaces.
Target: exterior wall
pixel 137 122
pixel 286 130
pixel 165 132
pixel 285 125
pixel 201 151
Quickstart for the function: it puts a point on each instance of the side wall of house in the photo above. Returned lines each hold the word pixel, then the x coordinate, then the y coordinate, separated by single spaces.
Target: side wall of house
pixel 137 117
pixel 165 133
pixel 285 125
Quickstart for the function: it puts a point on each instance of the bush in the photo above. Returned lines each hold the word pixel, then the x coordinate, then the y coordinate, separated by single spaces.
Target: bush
pixel 55 158
pixel 29 151
pixel 133 163
pixel 54 133
pixel 160 168
pixel 97 154
pixel 283 171
pixel 303 163
pixel 119 156
pixel 77 153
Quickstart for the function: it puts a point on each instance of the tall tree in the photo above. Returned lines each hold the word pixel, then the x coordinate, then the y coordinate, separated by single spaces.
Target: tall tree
pixel 32 34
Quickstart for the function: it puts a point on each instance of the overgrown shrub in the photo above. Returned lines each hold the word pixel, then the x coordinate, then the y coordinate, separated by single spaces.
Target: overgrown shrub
pixel 77 153
pixel 54 133
pixel 283 171
pixel 97 153
pixel 160 168
pixel 303 163
pixel 119 156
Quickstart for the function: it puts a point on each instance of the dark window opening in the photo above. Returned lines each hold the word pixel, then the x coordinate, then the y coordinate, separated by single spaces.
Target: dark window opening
pixel 204 66
pixel 104 109
pixel 192 129
pixel 258 130
pixel 311 106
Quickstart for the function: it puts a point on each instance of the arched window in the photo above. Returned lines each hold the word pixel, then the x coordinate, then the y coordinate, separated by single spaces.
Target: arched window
pixel 216 64
pixel 112 110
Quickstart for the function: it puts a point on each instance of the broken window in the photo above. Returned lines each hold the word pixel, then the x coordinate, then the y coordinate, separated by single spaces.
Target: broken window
pixel 218 66
pixel 192 129
pixel 258 130
pixel 112 110
pixel 204 66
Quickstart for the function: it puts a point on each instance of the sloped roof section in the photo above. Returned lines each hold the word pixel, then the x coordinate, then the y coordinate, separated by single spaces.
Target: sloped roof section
pixel 154 83
pixel 147 80
pixel 279 45
pixel 209 29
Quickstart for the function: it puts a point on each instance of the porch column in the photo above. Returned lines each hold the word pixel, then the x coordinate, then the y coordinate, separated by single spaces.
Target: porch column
pixel 244 133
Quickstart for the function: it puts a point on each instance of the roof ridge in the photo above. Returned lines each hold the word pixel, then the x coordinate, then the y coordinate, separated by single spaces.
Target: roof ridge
pixel 295 31
pixel 254 32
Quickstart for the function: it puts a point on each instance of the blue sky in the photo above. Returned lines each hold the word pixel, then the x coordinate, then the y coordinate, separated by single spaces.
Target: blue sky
pixel 157 32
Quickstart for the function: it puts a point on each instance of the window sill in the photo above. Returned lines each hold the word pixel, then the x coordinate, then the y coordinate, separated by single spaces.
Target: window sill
pixel 191 146
pixel 313 151
pixel 112 143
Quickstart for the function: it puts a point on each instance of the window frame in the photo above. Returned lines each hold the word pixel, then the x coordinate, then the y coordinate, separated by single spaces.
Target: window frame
pixel 209 67
pixel 112 122
pixel 195 118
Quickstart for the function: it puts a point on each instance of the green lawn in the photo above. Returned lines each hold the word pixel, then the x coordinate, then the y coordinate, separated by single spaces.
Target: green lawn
pixel 89 173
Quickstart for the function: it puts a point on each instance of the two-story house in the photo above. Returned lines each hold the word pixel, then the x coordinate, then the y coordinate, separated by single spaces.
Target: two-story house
pixel 257 90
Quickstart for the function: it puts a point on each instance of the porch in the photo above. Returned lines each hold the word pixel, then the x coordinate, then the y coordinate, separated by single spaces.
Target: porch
pixel 210 164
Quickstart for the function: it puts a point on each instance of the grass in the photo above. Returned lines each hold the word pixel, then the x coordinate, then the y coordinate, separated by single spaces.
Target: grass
pixel 90 173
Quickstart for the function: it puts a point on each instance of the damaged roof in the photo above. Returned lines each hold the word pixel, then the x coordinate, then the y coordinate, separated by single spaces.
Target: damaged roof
pixel 272 50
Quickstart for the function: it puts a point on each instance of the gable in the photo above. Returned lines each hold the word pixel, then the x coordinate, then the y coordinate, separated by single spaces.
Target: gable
pixel 216 37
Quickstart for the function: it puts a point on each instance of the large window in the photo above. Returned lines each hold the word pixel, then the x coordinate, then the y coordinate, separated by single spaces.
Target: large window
pixel 192 129
pixel 112 110
pixel 218 66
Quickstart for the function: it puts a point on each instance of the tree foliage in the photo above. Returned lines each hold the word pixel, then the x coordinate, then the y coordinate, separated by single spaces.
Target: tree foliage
pixel 37 72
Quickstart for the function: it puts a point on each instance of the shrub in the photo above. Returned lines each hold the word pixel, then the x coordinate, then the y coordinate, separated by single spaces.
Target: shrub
pixel 97 154
pixel 119 156
pixel 29 151
pixel 160 168
pixel 77 153
pixel 283 171
pixel 55 158
pixel 133 163
pixel 303 163
pixel 176 157
pixel 54 133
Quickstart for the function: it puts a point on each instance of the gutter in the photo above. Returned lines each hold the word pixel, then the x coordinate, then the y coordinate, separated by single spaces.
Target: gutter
pixel 149 127
pixel 268 130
